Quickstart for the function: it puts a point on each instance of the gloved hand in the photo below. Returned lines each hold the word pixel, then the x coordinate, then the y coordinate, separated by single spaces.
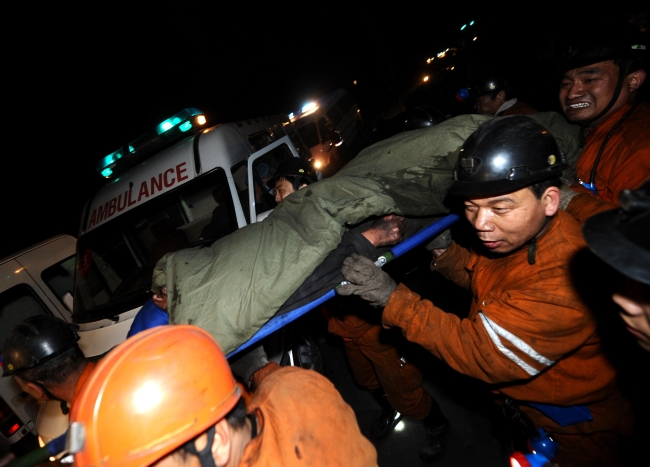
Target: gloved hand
pixel 366 280
pixel 440 241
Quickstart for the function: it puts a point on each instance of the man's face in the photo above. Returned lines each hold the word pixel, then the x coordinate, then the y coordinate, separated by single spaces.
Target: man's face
pixel 506 222
pixel 282 189
pixel 160 298
pixel 486 106
pixel 586 91
pixel 634 299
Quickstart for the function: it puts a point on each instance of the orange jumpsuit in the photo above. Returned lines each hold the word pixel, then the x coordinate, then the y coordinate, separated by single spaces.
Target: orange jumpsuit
pixel 585 204
pixel 303 420
pixel 90 367
pixel 376 361
pixel 528 333
pixel 625 161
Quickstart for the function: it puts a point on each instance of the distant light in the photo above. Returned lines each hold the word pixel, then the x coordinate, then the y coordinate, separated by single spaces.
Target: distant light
pixel 429 60
pixel 471 23
pixel 308 107
pixel 354 82
pixel 447 50
pixel 425 79
pixel 452 67
pixel 475 38
pixel 464 26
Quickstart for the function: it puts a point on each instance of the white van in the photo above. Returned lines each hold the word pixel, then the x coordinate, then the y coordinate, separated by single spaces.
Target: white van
pixel 178 186
pixel 311 122
pixel 39 280
pixel 36 281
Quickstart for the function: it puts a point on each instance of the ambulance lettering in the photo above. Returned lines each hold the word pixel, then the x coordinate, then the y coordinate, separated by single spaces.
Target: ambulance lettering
pixel 166 179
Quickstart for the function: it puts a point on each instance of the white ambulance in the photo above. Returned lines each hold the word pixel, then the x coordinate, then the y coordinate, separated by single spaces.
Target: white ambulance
pixel 180 185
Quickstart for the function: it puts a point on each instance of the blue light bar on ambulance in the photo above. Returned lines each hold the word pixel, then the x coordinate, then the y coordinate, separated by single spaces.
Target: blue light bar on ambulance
pixel 181 119
pixel 104 165
pixel 155 140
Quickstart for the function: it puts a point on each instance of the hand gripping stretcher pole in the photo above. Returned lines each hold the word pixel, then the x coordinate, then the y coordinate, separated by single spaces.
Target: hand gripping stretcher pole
pixel 398 250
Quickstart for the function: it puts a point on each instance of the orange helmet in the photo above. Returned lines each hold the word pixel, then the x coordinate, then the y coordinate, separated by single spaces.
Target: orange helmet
pixel 151 394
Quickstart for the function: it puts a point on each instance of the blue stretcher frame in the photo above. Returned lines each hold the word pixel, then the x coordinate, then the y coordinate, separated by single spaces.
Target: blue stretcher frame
pixel 280 321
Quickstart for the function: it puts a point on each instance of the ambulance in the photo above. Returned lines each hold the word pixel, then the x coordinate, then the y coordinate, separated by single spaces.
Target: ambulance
pixel 183 184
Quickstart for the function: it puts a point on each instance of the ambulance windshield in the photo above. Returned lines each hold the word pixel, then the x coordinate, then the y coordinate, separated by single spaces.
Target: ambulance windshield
pixel 115 261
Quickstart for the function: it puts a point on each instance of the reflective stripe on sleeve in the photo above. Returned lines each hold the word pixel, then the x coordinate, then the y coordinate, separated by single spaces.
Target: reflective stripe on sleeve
pixel 494 331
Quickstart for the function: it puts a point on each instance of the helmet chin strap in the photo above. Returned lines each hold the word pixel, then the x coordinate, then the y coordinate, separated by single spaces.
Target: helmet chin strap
pixel 64 405
pixel 205 455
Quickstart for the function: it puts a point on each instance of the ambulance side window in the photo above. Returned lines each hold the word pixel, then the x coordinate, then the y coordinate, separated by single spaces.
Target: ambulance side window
pixel 264 166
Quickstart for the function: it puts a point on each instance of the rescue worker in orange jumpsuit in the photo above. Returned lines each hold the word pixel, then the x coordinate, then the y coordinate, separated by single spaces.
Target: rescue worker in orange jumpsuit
pixel 528 332
pixel 42 355
pixel 167 397
pixel 601 79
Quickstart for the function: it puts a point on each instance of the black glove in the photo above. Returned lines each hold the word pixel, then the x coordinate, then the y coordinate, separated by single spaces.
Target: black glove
pixel 366 280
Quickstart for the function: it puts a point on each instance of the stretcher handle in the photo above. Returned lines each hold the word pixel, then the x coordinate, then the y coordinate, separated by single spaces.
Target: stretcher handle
pixel 280 321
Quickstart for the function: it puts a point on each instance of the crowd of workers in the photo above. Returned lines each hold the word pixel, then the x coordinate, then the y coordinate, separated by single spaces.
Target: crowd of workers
pixel 531 333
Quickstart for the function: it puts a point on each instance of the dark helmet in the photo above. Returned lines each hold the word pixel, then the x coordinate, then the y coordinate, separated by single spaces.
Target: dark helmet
pixel 619 41
pixel 621 237
pixel 622 41
pixel 505 154
pixel 294 166
pixel 488 85
pixel 37 340
pixel 423 116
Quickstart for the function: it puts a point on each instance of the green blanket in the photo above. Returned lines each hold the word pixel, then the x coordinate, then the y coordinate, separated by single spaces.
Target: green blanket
pixel 234 287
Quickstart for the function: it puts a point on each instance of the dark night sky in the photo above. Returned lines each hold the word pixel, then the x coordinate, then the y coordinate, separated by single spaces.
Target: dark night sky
pixel 78 85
